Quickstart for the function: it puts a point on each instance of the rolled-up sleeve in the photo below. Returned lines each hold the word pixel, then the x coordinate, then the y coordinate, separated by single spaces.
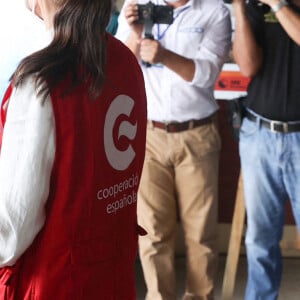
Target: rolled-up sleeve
pixel 26 161
pixel 213 50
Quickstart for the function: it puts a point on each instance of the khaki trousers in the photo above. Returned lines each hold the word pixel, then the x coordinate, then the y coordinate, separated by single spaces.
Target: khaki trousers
pixel 180 178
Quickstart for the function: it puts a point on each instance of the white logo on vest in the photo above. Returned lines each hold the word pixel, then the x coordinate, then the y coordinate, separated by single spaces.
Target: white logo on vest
pixel 119 160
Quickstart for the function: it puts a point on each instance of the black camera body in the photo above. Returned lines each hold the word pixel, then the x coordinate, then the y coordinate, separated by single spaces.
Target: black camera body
pixel 150 14
pixel 156 14
pixel 256 3
pixel 230 1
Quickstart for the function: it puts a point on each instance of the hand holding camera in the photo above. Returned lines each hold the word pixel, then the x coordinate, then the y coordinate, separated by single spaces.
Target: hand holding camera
pixel 150 14
pixel 144 16
pixel 150 51
pixel 132 16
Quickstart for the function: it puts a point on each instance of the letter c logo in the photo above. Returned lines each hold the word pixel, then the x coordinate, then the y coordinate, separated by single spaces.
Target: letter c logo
pixel 119 160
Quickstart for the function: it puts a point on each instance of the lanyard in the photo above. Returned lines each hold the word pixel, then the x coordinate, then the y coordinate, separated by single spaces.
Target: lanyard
pixel 160 35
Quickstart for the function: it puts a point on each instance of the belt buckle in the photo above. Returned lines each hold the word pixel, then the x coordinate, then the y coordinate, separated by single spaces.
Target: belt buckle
pixel 167 126
pixel 285 126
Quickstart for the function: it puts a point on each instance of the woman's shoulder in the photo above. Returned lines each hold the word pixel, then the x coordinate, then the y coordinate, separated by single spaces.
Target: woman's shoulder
pixel 120 54
pixel 26 101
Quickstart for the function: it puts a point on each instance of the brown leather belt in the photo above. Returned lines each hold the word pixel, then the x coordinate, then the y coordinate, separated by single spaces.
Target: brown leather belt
pixel 178 127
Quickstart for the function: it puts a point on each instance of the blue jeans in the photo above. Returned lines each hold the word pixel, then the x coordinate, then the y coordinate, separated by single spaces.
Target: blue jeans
pixel 271 173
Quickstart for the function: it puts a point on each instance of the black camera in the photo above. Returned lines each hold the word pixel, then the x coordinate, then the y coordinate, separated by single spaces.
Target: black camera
pixel 156 14
pixel 150 14
pixel 253 1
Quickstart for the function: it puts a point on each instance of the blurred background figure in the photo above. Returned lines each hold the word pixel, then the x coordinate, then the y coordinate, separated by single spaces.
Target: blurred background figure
pixel 180 176
pixel 113 23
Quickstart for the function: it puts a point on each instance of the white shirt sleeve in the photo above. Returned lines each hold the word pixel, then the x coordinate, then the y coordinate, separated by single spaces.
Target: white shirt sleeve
pixel 26 161
pixel 213 51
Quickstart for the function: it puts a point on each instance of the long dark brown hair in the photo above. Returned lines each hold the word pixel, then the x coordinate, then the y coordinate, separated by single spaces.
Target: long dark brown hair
pixel 79 43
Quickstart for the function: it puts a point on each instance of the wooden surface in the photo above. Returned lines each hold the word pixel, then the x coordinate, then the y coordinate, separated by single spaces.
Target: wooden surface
pixel 235 241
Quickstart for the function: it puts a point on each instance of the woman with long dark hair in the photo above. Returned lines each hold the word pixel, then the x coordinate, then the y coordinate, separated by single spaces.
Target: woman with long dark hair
pixel 73 142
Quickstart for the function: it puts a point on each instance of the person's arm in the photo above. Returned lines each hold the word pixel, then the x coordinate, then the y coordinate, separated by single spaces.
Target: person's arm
pixel 26 161
pixel 128 30
pixel 149 50
pixel 203 68
pixel 246 52
pixel 152 52
pixel 290 21
pixel 288 18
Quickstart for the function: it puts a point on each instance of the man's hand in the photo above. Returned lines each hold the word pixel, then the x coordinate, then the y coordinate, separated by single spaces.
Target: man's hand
pixel 151 51
pixel 131 16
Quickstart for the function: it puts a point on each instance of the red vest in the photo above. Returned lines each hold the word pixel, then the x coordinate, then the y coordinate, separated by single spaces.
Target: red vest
pixel 88 246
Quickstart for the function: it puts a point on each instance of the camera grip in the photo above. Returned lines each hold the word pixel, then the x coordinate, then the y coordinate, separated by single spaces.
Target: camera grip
pixel 151 37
